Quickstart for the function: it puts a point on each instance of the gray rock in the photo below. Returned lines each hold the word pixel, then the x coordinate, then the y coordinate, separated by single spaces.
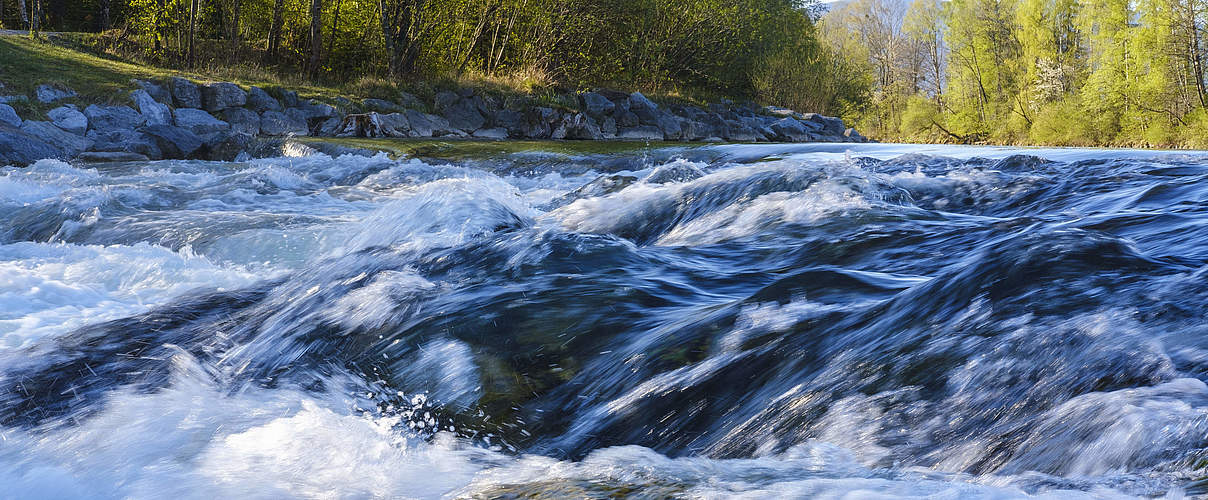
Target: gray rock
pixel 441 127
pixel 69 119
pixel 113 117
pixel 300 116
pixel 8 116
pixel 174 142
pixel 70 144
pixel 155 90
pixel 444 100
pixel 154 113
pixel 739 132
pixel 596 105
pixel 381 106
pixel 395 125
pixel 854 136
pixel 421 126
pixel 625 118
pixel 780 112
pixel 641 132
pixel 465 91
pixel 602 186
pixel 47 94
pixel 260 101
pixel 409 101
pixel 492 133
pixel 791 130
pixel 645 109
pixel 577 126
pixel 289 99
pixel 110 156
pixel 227 146
pixel 126 141
pixel 830 125
pixel 538 122
pixel 329 127
pixel 199 122
pixel 242 120
pixel 464 115
pixel 510 120
pixel 185 93
pixel 694 130
pixel 20 148
pixel 222 95
pixel 670 125
pixel 315 110
pixel 608 127
pixel 276 123
pixel 5 99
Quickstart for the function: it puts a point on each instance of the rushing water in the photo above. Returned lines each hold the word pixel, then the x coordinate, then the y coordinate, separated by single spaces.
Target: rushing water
pixel 814 321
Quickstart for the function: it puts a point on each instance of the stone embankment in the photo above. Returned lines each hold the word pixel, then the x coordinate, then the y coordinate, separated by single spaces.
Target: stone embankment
pixel 179 119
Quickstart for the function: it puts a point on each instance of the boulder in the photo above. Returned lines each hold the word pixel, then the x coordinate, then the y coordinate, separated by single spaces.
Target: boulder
pixel 640 132
pixel 646 111
pixel 113 117
pixel 289 99
pixel 174 142
pixel 421 126
pixel 510 120
pixel 259 101
pixel 854 136
pixel 577 126
pixel 5 99
pixel 625 118
pixel 329 127
pixel 276 123
pixel 199 122
pixel 694 130
pixel 155 90
pixel 670 125
pixel 222 95
pixel 395 125
pixel 464 115
pixel 70 144
pixel 313 110
pixel 381 106
pixel 538 122
pixel 492 133
pixel 830 125
pixel 126 141
pixel 409 101
pixel 229 145
pixel 47 94
pixel 20 148
pixel 444 100
pixel 242 120
pixel 154 112
pixel 674 172
pixel 596 105
pixel 608 127
pixel 361 125
pixel 441 127
pixel 791 130
pixel 109 156
pixel 8 116
pixel 736 131
pixel 69 119
pixel 184 93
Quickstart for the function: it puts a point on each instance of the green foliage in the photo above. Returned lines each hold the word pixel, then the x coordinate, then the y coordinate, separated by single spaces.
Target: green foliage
pixel 1067 72
pixel 742 49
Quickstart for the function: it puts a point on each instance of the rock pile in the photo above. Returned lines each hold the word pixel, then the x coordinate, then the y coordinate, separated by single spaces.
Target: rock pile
pixel 178 119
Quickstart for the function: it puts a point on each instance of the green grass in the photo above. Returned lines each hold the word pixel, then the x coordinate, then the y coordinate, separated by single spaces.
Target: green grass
pixel 26 63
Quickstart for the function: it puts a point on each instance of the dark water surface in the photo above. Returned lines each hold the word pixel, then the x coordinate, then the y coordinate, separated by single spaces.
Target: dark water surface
pixel 808 321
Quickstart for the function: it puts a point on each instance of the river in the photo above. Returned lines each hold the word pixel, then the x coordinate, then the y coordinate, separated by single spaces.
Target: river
pixel 721 321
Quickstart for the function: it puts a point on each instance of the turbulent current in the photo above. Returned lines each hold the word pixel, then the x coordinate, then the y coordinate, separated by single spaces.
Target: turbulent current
pixel 751 321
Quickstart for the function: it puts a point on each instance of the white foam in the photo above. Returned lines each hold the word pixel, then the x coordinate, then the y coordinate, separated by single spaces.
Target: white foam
pixel 49 289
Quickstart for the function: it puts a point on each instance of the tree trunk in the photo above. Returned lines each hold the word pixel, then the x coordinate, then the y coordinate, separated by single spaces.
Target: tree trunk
pixel 335 22
pixel 274 34
pixel 192 61
pixel 316 36
pixel 398 24
pixel 35 19
pixel 233 37
pixel 103 15
pixel 23 12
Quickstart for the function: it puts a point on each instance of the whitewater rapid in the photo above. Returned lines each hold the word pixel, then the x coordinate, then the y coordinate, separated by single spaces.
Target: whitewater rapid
pixel 729 321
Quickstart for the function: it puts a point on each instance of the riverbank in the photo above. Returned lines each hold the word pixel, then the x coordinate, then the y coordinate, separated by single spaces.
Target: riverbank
pixel 158 115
